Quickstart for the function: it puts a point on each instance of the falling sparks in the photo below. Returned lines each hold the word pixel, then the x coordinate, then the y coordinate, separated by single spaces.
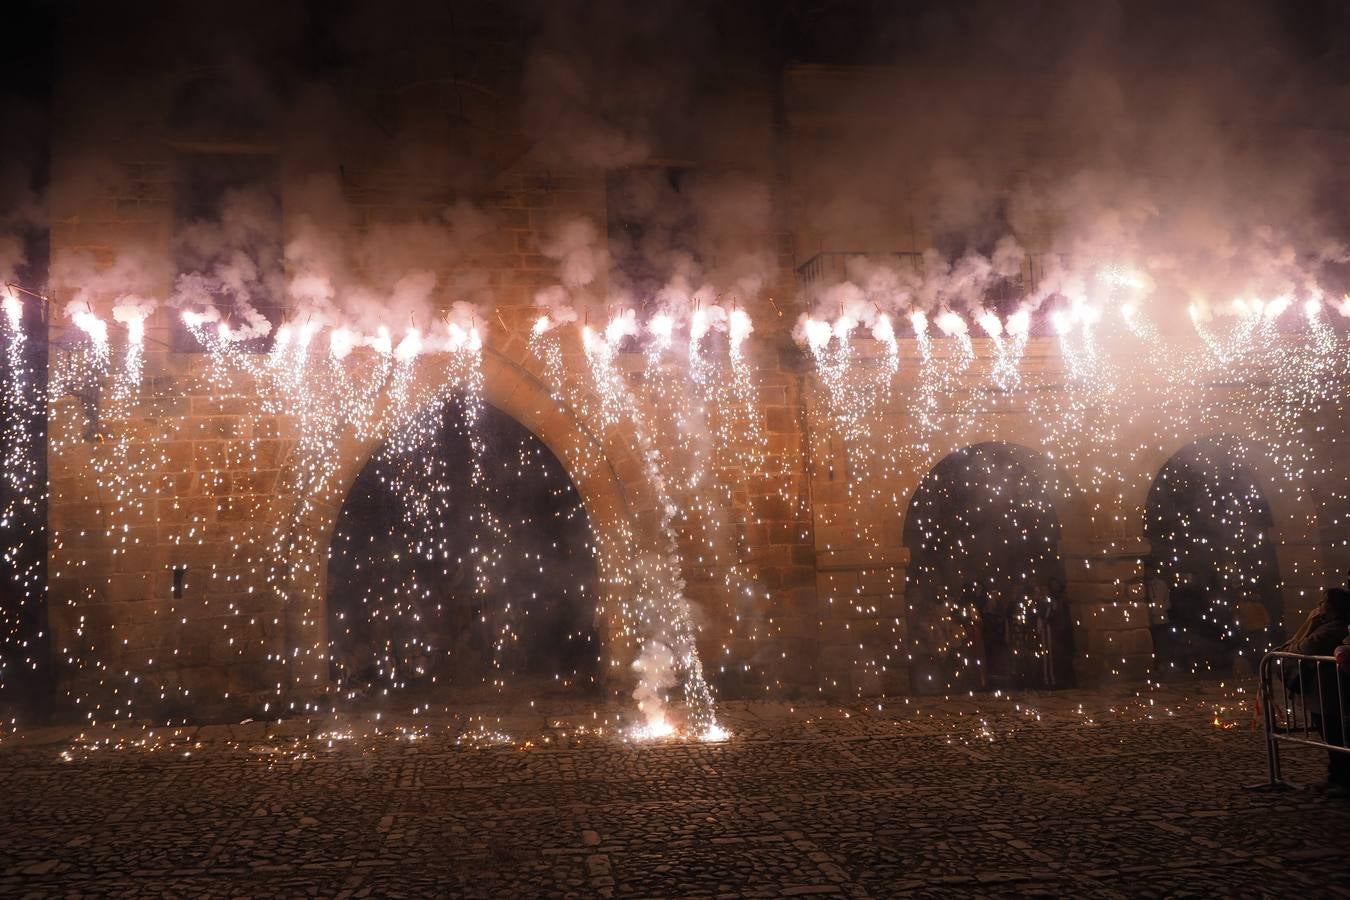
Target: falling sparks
pixel 678 397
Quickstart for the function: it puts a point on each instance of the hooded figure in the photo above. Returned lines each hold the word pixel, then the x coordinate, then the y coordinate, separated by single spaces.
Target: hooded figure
pixel 1325 627
pixel 1324 689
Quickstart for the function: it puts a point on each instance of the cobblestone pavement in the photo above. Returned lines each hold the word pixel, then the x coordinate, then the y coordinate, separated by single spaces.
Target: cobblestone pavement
pixel 1079 794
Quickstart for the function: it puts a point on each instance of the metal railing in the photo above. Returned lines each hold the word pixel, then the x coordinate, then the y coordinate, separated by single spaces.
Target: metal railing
pixel 1302 702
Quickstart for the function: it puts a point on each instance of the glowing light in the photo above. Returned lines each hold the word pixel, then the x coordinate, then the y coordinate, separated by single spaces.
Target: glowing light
pixel 621 326
pixel 698 325
pixel 715 733
pixel 656 728
pixel 383 342
pixel 1019 323
pixel 1275 308
pixel 884 331
pixel 409 347
pixel 92 325
pixel 135 325
pixel 305 333
pixel 661 326
pixel 818 333
pixel 989 321
pixel 13 309
pixel 739 328
pixel 341 341
pixel 950 323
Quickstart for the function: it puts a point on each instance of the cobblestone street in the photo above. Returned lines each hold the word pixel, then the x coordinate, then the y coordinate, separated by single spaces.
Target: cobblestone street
pixel 1078 794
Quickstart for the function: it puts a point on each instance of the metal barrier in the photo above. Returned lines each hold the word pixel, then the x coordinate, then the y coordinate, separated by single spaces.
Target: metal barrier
pixel 1312 694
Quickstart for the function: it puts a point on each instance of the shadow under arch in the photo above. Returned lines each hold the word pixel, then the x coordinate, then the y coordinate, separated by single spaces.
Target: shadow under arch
pixel 1212 573
pixel 604 469
pixel 462 566
pixel 985 601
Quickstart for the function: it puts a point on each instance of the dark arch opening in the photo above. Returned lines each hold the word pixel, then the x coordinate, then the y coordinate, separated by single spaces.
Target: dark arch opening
pixel 1211 576
pixel 986 604
pixel 462 567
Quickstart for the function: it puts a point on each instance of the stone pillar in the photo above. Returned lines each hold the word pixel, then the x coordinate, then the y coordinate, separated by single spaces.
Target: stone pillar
pixel 1103 549
pixel 1110 612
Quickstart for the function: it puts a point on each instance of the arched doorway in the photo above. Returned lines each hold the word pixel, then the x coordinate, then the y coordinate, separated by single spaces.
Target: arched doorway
pixel 985 592
pixel 462 566
pixel 1211 576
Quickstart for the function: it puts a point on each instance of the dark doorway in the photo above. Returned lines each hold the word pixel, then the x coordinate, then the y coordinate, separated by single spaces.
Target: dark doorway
pixel 985 581
pixel 1212 577
pixel 462 566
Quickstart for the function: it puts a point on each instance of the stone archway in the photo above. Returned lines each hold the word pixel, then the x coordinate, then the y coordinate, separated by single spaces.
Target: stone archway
pixel 462 567
pixel 983 530
pixel 604 469
pixel 1212 571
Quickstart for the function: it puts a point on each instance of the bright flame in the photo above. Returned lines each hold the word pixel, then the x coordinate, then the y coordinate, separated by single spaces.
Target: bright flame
pixel 13 310
pixel 843 326
pixel 459 337
pixel 589 339
pixel 135 328
pixel 409 347
pixel 817 333
pixel 950 323
pixel 621 326
pixel 656 728
pixel 739 327
pixel 1275 308
pixel 714 733
pixel 884 331
pixel 661 326
pixel 383 342
pixel 542 324
pixel 698 326
pixel 92 325
pixel 306 334
pixel 340 342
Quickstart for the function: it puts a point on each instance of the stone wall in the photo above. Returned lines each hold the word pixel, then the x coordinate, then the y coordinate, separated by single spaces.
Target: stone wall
pixel 821 548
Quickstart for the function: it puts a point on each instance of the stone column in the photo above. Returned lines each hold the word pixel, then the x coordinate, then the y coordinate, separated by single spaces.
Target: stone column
pixel 1103 557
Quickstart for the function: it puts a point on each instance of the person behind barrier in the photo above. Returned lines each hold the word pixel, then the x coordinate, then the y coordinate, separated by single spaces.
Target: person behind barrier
pixel 1325 628
pixel 1322 633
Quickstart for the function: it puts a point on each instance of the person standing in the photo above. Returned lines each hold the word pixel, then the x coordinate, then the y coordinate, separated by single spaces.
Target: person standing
pixel 1060 621
pixel 972 608
pixel 994 635
pixel 1045 637
pixel 1322 634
